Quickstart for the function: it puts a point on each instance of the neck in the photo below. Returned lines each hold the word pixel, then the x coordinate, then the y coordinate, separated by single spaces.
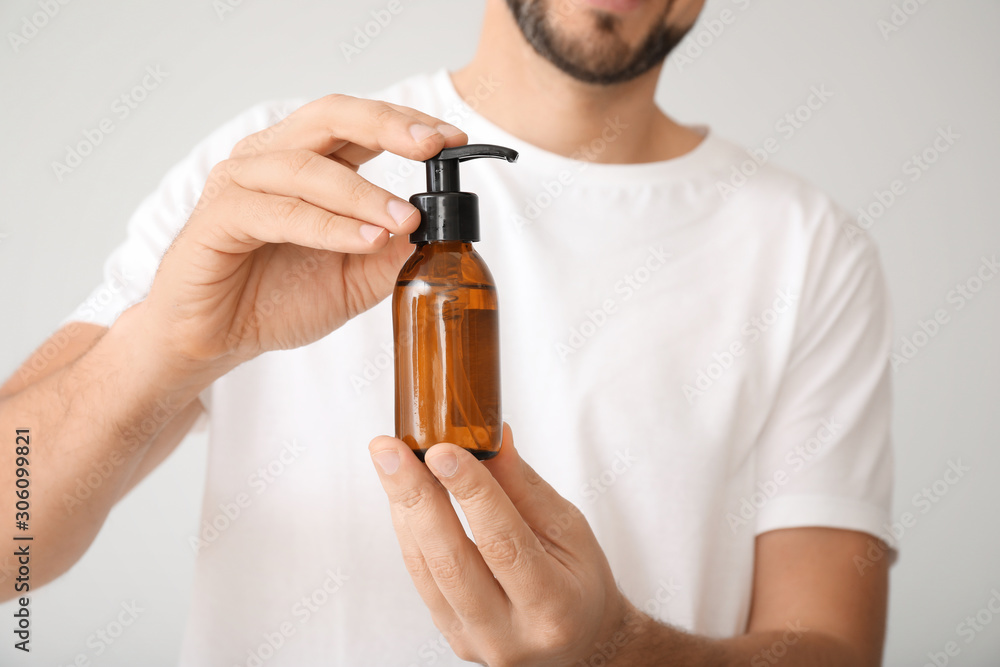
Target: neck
pixel 538 103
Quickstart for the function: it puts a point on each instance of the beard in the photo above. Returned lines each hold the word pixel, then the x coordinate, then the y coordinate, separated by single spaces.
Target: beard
pixel 605 58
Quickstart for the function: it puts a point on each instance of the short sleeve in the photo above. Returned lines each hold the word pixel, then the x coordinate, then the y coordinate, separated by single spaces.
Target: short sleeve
pixel 129 269
pixel 824 457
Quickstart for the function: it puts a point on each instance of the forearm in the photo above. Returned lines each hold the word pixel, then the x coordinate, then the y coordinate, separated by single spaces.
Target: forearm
pixel 90 424
pixel 645 642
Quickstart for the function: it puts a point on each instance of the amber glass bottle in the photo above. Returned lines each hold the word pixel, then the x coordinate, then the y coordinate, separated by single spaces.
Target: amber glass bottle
pixel 448 350
pixel 445 320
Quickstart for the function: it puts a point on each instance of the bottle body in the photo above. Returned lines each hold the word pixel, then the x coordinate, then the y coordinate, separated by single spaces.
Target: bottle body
pixel 447 350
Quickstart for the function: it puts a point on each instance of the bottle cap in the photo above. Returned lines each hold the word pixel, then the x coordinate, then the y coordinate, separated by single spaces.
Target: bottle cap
pixel 446 214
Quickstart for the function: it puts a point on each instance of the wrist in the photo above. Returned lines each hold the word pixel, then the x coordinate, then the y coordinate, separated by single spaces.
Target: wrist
pixel 151 355
pixel 638 639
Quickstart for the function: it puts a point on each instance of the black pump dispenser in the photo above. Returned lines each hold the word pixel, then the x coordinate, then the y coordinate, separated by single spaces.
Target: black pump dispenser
pixel 446 214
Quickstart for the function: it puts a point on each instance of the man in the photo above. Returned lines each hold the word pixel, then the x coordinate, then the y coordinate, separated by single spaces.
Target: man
pixel 700 373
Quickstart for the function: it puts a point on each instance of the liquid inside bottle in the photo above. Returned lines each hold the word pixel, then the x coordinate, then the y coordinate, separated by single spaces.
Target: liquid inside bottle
pixel 447 351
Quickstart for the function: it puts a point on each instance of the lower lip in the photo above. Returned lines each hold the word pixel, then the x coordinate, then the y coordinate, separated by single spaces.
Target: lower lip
pixel 618 6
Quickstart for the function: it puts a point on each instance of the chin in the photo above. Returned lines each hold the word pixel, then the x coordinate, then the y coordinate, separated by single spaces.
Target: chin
pixel 605 42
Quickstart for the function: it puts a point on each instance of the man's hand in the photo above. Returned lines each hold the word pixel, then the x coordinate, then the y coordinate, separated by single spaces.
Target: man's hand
pixel 534 587
pixel 288 242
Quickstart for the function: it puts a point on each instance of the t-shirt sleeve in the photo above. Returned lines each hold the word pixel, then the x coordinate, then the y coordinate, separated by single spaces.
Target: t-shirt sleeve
pixel 825 450
pixel 128 271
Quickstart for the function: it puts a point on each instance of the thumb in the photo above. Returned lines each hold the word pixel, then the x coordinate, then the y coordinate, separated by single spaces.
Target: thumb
pixel 389 260
pixel 379 270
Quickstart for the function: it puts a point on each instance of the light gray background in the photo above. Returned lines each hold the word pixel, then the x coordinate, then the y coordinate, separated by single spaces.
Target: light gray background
pixel 889 98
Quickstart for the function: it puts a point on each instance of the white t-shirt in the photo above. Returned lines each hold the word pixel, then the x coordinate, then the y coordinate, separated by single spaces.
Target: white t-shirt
pixel 691 370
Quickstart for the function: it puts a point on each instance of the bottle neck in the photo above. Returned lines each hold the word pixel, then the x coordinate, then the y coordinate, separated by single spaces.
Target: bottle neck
pixel 445 246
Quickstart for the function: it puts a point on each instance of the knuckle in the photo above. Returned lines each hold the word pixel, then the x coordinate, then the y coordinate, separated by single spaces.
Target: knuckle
pixel 380 113
pixel 532 477
pixel 358 190
pixel 472 492
pixel 446 569
pixel 222 172
pixel 333 99
pixel 505 551
pixel 286 208
pixel 496 650
pixel 463 651
pixel 298 161
pixel 252 207
pixel 240 147
pixel 454 631
pixel 414 498
pixel 247 146
pixel 219 185
pixel 415 564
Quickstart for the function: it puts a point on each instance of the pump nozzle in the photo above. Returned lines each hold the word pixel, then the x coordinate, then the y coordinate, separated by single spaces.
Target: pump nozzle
pixel 442 169
pixel 446 214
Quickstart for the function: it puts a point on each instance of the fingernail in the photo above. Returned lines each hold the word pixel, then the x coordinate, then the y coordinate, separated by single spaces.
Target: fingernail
pixel 448 130
pixel 387 460
pixel 401 210
pixel 419 131
pixel 444 464
pixel 371 232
